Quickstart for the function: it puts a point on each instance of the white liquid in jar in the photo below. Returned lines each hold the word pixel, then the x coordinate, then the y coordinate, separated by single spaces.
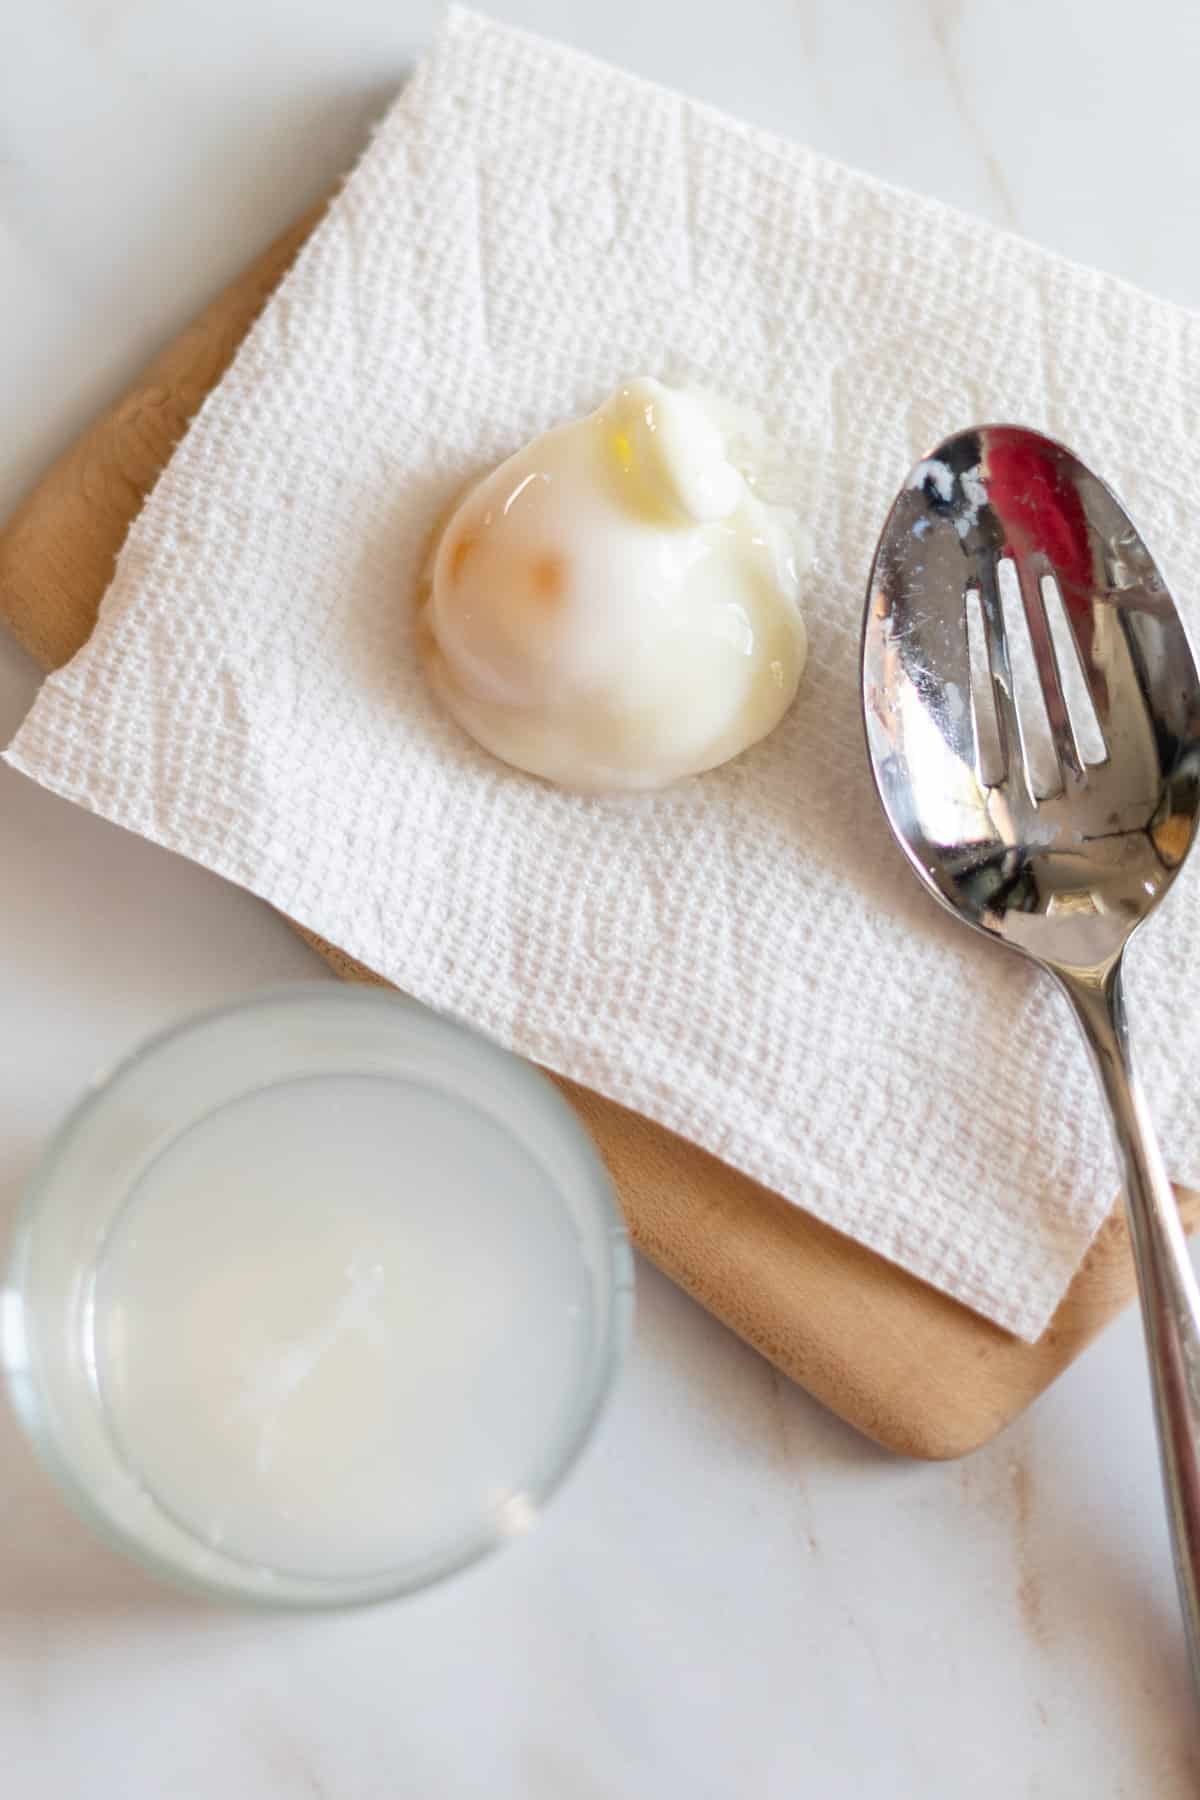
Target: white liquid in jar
pixel 338 1326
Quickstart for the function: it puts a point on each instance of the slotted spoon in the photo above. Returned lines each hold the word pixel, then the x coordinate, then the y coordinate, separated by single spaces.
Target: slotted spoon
pixel 1032 711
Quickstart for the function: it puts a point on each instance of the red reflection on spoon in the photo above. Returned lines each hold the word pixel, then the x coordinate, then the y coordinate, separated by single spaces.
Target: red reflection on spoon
pixel 1039 506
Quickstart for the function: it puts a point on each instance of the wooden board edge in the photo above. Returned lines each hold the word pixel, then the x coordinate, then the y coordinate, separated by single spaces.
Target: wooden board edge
pixel 51 581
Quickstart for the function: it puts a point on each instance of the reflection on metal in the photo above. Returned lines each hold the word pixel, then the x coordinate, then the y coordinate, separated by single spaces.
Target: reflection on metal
pixel 985 722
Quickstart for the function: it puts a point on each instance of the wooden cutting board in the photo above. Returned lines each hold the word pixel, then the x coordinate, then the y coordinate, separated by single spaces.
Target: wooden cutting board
pixel 907 1366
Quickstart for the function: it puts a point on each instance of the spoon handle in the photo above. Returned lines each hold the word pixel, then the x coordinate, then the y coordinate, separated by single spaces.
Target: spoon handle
pixel 1169 1292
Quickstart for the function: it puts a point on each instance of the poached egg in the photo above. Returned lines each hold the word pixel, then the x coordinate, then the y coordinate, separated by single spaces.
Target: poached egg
pixel 614 607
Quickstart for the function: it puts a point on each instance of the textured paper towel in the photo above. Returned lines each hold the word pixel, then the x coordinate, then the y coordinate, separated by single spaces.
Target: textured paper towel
pixel 744 958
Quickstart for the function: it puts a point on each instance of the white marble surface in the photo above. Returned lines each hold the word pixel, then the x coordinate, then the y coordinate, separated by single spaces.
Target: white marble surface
pixel 735 1597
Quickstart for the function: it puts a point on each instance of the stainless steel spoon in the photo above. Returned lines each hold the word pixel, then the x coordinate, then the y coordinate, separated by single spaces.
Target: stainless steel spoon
pixel 1033 722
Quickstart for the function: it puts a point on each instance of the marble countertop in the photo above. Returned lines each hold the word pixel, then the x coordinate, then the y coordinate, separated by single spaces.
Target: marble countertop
pixel 735 1597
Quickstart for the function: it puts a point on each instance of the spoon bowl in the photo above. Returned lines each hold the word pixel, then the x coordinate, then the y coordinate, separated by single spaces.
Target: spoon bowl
pixel 1096 702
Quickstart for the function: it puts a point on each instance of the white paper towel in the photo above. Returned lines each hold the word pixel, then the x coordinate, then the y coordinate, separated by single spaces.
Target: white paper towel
pixel 744 958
